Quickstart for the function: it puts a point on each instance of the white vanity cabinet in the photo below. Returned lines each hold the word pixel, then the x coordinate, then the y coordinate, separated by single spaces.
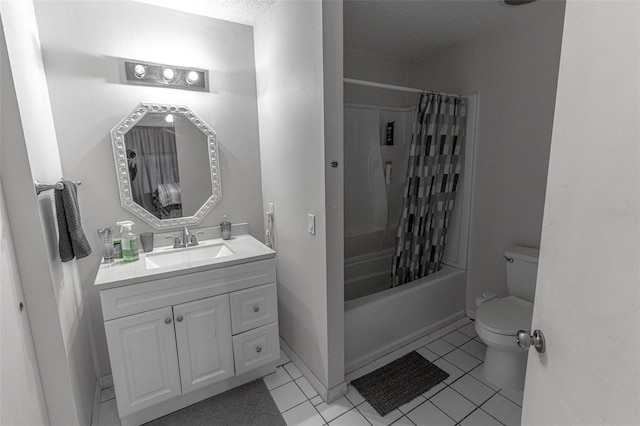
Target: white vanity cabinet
pixel 176 340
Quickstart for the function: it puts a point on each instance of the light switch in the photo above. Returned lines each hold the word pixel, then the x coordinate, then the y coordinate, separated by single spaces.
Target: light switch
pixel 271 208
pixel 311 224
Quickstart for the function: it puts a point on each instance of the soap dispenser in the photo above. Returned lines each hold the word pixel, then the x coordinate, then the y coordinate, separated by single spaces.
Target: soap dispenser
pixel 129 242
pixel 225 228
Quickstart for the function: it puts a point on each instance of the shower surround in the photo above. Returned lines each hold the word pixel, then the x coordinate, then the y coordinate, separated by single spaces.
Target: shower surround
pixel 378 318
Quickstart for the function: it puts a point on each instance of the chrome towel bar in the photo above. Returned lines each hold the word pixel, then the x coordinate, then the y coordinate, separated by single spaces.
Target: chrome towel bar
pixel 40 187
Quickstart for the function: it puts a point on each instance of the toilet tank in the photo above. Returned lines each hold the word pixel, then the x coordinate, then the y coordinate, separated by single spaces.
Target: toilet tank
pixel 522 272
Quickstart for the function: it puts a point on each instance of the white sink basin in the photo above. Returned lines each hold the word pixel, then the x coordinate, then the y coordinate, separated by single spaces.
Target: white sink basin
pixel 187 256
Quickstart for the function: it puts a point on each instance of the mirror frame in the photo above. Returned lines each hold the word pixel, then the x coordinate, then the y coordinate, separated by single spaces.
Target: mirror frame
pixel 122 169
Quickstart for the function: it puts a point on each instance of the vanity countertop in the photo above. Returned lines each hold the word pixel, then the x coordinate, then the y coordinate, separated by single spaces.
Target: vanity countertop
pixel 245 249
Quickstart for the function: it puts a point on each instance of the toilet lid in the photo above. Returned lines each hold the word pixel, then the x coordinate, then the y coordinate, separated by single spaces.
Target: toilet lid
pixel 506 315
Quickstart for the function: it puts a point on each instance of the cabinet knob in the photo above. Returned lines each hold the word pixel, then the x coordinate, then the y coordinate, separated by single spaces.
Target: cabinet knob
pixel 179 318
pixel 167 320
pixel 258 349
pixel 256 308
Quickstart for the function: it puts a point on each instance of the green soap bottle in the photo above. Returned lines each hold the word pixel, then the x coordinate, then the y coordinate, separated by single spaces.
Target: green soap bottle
pixel 129 242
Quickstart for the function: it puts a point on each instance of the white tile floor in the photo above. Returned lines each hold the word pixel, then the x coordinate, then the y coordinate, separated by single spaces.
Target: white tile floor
pixel 465 398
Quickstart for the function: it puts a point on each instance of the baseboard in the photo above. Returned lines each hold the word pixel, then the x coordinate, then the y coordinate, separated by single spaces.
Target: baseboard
pixel 102 383
pixel 380 352
pixel 106 381
pixel 327 394
pixel 470 313
pixel 95 415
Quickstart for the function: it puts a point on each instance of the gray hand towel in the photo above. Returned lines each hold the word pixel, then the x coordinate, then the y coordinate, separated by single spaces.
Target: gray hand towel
pixel 73 242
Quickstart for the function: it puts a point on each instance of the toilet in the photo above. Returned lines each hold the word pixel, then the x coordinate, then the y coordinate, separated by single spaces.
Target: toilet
pixel 498 319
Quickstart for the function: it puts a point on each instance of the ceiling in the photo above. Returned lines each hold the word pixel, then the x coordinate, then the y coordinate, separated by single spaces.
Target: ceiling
pixel 245 12
pixel 404 29
pixel 408 29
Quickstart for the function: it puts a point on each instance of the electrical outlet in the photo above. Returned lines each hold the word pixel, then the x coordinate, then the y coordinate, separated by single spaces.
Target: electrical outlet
pixel 271 208
pixel 311 224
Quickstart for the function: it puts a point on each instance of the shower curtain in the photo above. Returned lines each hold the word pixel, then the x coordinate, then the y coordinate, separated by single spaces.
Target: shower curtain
pixel 154 155
pixel 430 188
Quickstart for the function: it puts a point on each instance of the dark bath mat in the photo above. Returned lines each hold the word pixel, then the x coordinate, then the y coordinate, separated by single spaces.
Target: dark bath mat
pixel 248 405
pixel 398 382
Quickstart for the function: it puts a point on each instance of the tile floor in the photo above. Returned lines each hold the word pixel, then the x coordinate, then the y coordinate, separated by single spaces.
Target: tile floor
pixel 465 398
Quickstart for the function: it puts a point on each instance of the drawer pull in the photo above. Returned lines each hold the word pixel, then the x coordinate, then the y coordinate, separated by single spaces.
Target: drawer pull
pixel 258 349
pixel 167 320
pixel 179 319
pixel 256 308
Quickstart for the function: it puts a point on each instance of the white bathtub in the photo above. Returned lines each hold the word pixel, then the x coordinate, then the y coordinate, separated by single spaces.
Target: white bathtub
pixel 379 323
pixel 367 274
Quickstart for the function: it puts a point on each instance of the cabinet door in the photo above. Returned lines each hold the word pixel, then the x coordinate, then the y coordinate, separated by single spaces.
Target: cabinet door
pixel 144 362
pixel 203 334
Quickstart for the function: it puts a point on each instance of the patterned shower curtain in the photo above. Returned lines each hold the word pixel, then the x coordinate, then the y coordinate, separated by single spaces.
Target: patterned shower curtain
pixel 430 188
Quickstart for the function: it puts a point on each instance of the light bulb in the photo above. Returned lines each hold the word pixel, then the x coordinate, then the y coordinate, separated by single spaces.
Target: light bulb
pixel 192 77
pixel 168 74
pixel 169 118
pixel 139 71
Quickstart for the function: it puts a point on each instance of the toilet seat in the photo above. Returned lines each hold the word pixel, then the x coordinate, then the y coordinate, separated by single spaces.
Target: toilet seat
pixel 505 316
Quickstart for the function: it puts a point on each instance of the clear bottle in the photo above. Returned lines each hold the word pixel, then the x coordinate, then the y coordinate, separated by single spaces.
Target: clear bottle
pixel 129 242
pixel 117 243
pixel 107 244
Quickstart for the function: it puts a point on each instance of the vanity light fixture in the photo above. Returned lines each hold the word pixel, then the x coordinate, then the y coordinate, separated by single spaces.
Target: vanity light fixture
pixel 169 118
pixel 151 74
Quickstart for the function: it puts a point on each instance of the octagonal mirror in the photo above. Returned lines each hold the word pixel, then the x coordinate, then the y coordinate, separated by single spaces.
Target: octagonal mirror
pixel 167 165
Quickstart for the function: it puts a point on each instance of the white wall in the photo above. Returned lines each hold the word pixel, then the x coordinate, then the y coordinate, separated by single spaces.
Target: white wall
pixel 295 173
pixel 515 74
pixel 333 75
pixel 54 300
pixel 21 397
pixel 82 43
pixel 587 296
pixel 370 66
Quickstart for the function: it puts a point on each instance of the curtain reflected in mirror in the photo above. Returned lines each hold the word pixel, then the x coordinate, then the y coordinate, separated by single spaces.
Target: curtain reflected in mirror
pixel 152 157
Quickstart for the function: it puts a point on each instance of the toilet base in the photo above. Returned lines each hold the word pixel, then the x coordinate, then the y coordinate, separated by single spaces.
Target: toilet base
pixel 505 368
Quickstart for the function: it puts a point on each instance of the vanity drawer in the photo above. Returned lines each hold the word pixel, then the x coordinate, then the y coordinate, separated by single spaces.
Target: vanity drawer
pixel 254 307
pixel 256 348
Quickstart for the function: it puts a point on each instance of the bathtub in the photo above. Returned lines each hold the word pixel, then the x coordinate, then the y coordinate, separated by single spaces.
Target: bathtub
pixel 378 323
pixel 367 273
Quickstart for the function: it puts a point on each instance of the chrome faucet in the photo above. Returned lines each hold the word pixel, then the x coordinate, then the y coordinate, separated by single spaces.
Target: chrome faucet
pixel 188 239
pixel 176 241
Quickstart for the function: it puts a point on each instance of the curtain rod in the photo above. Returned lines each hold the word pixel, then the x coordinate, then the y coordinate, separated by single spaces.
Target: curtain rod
pixel 393 87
